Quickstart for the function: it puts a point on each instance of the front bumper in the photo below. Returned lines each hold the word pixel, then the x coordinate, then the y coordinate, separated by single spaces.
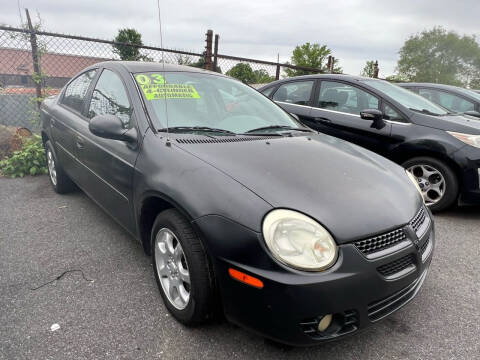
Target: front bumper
pixel 468 158
pixel 291 303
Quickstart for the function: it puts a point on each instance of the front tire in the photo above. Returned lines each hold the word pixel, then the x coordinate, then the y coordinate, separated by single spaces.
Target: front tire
pixel 60 181
pixel 181 269
pixel 436 179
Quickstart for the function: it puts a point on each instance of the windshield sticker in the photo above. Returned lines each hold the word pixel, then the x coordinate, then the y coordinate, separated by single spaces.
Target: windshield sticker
pixel 155 87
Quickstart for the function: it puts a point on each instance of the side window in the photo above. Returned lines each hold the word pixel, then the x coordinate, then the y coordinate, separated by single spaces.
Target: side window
pixel 110 98
pixel 268 92
pixel 75 92
pixel 390 113
pixel 344 98
pixel 297 92
pixel 447 100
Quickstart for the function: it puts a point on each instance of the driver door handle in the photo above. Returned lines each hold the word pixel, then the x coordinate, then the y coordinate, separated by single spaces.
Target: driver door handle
pixel 322 120
pixel 80 142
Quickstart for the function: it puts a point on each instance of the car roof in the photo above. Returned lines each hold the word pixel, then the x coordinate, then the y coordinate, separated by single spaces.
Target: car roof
pixel 344 77
pixel 431 85
pixel 146 66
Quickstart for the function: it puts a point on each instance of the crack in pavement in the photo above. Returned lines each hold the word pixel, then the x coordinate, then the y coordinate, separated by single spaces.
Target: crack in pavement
pixel 61 275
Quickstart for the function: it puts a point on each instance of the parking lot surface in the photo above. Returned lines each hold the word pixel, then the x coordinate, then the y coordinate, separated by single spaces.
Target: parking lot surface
pixel 107 304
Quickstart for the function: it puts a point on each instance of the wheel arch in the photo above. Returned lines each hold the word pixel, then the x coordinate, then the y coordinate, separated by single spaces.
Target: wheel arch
pixel 151 205
pixel 403 155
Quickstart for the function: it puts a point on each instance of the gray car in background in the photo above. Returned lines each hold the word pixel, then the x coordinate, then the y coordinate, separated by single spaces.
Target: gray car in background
pixel 452 98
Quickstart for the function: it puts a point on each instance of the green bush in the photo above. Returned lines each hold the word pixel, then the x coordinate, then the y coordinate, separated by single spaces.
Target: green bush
pixel 30 160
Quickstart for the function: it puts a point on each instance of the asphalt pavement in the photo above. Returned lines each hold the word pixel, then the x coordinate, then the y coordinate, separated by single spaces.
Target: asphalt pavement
pixel 64 262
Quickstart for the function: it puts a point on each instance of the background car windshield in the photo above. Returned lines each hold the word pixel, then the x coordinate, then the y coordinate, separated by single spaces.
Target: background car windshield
pixel 406 97
pixel 471 93
pixel 193 99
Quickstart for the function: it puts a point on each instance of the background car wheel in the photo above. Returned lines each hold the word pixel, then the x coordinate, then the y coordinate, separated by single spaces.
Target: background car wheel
pixel 437 180
pixel 60 181
pixel 181 269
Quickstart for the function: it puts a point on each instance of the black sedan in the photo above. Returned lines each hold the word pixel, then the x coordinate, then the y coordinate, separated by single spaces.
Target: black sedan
pixel 452 98
pixel 296 235
pixel 441 149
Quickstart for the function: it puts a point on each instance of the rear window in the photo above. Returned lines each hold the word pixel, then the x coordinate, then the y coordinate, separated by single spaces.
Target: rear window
pixel 75 92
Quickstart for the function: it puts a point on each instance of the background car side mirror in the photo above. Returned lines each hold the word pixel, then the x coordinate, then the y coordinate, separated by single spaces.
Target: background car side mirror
pixel 374 115
pixel 472 113
pixel 111 127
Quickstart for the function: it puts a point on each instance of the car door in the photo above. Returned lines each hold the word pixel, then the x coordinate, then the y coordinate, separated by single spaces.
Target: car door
pixel 336 111
pixel 65 120
pixel 448 100
pixel 295 97
pixel 109 164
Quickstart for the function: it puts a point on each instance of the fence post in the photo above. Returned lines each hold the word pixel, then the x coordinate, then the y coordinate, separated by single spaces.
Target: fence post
pixel 215 52
pixel 35 58
pixel 277 72
pixel 208 50
pixel 375 69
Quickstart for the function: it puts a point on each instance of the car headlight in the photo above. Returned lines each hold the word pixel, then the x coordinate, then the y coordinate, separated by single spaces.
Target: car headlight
pixel 415 182
pixel 299 241
pixel 473 140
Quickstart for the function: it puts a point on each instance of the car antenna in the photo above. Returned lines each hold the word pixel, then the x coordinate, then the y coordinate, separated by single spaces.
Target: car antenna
pixel 168 143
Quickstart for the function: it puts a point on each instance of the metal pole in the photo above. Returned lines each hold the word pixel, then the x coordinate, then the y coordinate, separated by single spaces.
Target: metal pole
pixel 277 73
pixel 375 69
pixel 35 58
pixel 208 50
pixel 215 52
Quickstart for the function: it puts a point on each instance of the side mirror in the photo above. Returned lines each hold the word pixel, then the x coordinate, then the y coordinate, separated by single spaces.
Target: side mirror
pixel 472 113
pixel 295 116
pixel 374 115
pixel 111 127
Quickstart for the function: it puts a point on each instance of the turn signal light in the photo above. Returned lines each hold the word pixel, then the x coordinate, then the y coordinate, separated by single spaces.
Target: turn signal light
pixel 246 279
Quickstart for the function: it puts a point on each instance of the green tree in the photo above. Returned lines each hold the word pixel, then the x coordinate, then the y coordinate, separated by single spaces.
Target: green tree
pixel 369 69
pixel 126 52
pixel 262 77
pixel 313 56
pixel 242 72
pixel 441 57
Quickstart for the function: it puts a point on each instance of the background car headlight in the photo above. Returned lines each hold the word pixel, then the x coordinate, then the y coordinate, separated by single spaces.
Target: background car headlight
pixel 299 241
pixel 414 181
pixel 473 140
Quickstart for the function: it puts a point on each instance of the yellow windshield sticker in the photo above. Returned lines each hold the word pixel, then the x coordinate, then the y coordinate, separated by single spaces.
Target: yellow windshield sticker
pixel 155 87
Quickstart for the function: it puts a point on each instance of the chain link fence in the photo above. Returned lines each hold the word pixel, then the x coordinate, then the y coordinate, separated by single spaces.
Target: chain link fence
pixel 35 64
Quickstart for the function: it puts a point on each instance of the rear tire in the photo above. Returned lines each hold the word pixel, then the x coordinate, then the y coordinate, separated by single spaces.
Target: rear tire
pixel 181 269
pixel 437 180
pixel 60 181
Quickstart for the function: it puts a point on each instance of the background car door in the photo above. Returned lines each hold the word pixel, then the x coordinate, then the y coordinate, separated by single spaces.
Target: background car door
pixel 65 121
pixel 336 111
pixel 109 164
pixel 295 97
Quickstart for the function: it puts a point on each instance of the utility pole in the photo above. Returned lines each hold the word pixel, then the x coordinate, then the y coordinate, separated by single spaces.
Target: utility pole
pixel 36 61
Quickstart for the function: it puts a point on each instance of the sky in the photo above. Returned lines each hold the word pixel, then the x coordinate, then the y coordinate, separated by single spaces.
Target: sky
pixel 355 30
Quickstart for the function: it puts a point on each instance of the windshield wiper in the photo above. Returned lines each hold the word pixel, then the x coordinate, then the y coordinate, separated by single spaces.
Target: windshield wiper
pixel 428 112
pixel 281 127
pixel 197 128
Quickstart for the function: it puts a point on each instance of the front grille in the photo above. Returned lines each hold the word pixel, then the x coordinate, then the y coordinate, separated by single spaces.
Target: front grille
pixel 380 242
pixel 394 267
pixel 419 222
pixel 381 308
pixel 342 324
pixel 424 246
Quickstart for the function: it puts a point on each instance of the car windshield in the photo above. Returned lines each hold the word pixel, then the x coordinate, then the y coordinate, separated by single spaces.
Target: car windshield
pixel 196 102
pixel 406 97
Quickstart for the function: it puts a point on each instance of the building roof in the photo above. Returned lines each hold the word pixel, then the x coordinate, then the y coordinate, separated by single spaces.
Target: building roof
pixel 19 62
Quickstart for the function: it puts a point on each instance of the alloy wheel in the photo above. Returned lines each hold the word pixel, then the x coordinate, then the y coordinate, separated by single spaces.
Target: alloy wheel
pixel 51 167
pixel 172 268
pixel 431 182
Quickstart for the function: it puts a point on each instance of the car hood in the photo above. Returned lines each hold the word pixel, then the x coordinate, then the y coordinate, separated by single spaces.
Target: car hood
pixel 351 191
pixel 458 123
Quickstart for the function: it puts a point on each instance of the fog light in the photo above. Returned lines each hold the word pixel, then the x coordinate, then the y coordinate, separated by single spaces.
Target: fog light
pixel 325 323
